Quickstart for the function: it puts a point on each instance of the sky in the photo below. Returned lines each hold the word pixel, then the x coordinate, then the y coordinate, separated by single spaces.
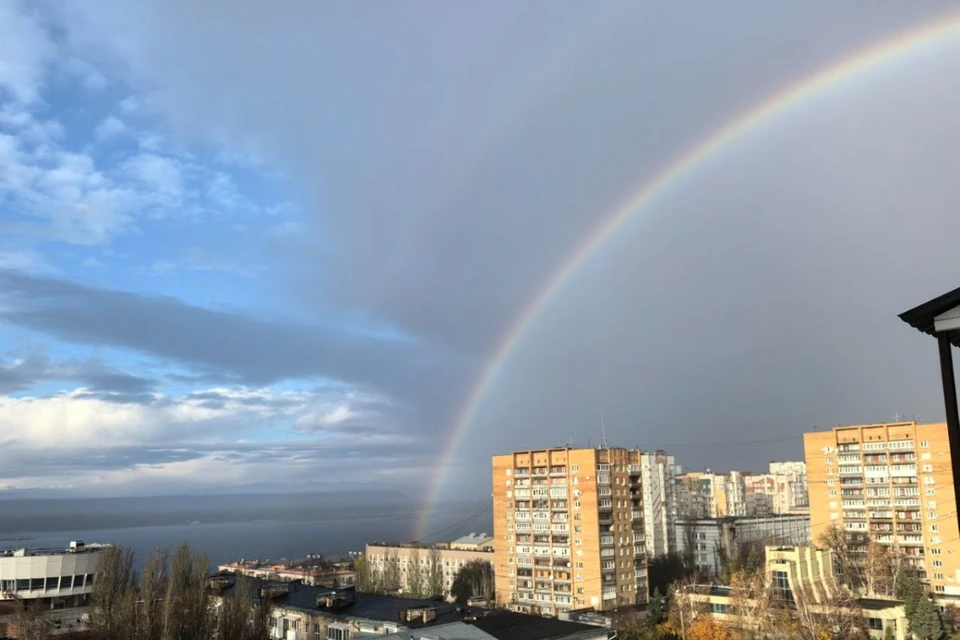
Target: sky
pixel 273 247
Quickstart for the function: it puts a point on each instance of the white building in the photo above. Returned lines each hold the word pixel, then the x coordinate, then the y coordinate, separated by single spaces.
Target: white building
pixel 659 472
pixel 709 540
pixel 59 577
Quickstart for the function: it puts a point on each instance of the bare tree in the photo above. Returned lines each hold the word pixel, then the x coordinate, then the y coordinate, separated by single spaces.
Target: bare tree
pixel 435 575
pixel 844 560
pixel 391 572
pixel 30 622
pixel 415 575
pixel 753 604
pixel 838 616
pixel 112 617
pixel 153 584
pixel 187 613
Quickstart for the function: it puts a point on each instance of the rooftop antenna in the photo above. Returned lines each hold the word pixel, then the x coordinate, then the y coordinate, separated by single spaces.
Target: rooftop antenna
pixel 603 429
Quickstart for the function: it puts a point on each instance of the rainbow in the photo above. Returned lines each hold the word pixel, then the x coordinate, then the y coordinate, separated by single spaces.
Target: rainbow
pixel 805 89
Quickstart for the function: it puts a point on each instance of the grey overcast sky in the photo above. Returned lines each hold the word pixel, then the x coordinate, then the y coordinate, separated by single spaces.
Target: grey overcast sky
pixel 274 245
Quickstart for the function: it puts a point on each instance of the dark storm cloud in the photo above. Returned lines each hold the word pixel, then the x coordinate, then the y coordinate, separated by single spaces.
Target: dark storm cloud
pixel 452 159
pixel 254 351
pixel 23 373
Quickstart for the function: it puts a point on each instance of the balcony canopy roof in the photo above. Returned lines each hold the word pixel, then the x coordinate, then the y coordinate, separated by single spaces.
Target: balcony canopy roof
pixel 943 311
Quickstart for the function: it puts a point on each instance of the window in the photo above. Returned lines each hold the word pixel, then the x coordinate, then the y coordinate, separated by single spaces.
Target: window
pixel 876 624
pixel 575 468
pixel 935 552
pixel 935 528
pixel 924 443
pixel 509 473
pixel 931 492
pixel 932 515
pixel 938 563
pixel 781 586
pixel 938 587
pixel 927 468
pixel 938 576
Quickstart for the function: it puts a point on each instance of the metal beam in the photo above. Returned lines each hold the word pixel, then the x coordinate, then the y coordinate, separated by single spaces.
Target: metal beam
pixel 950 405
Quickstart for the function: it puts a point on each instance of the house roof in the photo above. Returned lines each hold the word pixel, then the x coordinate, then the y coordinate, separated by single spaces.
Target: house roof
pixel 921 317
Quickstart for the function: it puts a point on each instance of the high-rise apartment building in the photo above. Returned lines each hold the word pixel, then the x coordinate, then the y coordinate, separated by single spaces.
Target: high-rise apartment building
pixel 785 487
pixel 568 530
pixel 891 483
pixel 658 478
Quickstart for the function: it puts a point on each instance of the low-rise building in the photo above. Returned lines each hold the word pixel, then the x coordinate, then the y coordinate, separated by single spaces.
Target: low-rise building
pixel 406 555
pixel 304 612
pixel 317 576
pixel 506 625
pixel 58 578
pixel 473 542
pixel 710 541
pixel 801 576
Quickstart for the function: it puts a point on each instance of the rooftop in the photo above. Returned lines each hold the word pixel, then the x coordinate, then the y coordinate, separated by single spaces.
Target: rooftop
pixel 368 606
pixel 497 624
pixel 507 625
pixel 76 546
pixel 474 538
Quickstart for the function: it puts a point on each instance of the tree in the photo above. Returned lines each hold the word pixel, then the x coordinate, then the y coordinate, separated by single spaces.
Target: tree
pixel 706 627
pixel 837 617
pixel 435 575
pixel 666 569
pixel 187 612
pixel 391 572
pixel 926 622
pixel 752 603
pixel 113 596
pixel 30 621
pixel 910 591
pixel 889 634
pixel 368 575
pixel 656 609
pixel 878 570
pixel 153 585
pixel 416 578
pixel 473 579
pixel 835 539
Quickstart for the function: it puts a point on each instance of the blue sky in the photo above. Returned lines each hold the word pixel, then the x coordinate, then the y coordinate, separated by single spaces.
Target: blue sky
pixel 243 243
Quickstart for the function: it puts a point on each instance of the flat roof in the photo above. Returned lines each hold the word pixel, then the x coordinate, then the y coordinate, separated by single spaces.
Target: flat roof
pixel 507 625
pixel 24 552
pixel 369 606
pixel 921 317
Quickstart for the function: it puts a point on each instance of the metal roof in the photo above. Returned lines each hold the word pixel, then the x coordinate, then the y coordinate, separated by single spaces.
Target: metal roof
pixel 921 317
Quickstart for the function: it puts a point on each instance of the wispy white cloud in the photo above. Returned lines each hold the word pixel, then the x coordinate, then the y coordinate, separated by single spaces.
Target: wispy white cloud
pixel 197 259
pixel 26 261
pixel 109 127
pixel 25 51
pixel 157 173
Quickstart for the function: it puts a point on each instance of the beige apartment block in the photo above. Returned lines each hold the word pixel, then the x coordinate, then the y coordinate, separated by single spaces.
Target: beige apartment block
pixel 892 483
pixel 407 555
pixel 568 530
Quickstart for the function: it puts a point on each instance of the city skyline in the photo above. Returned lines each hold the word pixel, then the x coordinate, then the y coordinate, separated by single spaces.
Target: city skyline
pixel 377 248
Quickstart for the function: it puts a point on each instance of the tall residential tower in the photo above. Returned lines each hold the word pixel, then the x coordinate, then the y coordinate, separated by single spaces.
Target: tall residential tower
pixel 891 483
pixel 568 529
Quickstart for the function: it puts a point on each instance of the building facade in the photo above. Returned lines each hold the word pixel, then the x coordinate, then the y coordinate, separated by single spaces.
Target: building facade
pixel 658 472
pixel 313 576
pixel 568 530
pixel 784 488
pixel 58 578
pixel 710 541
pixel 804 570
pixel 408 555
pixel 890 482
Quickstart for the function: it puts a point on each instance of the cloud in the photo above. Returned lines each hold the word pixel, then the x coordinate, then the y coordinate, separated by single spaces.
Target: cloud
pixel 24 371
pixel 25 51
pixel 77 438
pixel 109 127
pixel 25 261
pixel 159 174
pixel 198 337
pixel 198 260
